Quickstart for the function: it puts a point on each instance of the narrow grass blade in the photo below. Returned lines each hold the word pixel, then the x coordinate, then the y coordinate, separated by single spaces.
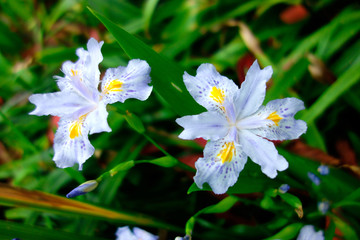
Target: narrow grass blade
pixel 343 83
pixel 51 203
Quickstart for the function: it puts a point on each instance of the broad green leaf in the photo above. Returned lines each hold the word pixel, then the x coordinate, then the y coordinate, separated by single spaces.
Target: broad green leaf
pixel 36 200
pixel 166 75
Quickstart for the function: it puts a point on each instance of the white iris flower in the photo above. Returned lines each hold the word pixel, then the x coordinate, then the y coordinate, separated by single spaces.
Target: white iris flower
pixel 80 105
pixel 238 125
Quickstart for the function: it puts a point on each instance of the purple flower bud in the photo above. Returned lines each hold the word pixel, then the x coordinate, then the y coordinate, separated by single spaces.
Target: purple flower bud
pixel 284 188
pixel 83 188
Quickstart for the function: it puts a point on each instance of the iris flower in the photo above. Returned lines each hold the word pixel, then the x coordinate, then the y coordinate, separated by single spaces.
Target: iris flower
pixel 124 233
pixel 238 125
pixel 80 105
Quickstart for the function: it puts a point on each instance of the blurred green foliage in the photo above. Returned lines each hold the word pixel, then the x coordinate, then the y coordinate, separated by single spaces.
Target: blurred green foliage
pixel 313 47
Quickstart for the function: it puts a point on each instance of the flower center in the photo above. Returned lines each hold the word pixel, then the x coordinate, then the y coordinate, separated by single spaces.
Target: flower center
pixel 275 118
pixel 217 95
pixel 75 127
pixel 227 152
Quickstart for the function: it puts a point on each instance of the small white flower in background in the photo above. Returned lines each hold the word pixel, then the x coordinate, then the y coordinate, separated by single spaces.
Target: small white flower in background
pixel 80 105
pixel 308 233
pixel 124 233
pixel 323 206
pixel 237 125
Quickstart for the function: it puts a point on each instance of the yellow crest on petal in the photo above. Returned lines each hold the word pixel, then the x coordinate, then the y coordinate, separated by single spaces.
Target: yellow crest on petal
pixel 113 86
pixel 74 72
pixel 75 127
pixel 217 95
pixel 275 118
pixel 227 152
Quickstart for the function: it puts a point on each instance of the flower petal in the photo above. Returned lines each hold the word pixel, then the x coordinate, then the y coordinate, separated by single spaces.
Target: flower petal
pixel 282 125
pixel 209 88
pixel 122 83
pixel 262 152
pixel 71 143
pixel 222 163
pixel 308 233
pixel 85 69
pixel 97 119
pixel 124 233
pixel 208 125
pixel 252 91
pixel 62 104
pixel 144 235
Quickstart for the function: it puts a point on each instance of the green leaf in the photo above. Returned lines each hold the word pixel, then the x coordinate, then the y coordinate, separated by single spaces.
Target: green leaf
pixel 166 75
pixel 40 201
pixel 149 8
pixel 134 122
pixel 347 231
pixel 11 230
pixel 294 202
pixel 122 167
pixel 167 161
pixel 288 232
pixel 342 84
pixel 222 206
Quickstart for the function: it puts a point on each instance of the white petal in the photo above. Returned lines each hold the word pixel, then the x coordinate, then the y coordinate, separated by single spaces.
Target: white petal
pixel 308 233
pixel 70 150
pixel 209 88
pixel 122 83
pixel 144 235
pixel 85 68
pixel 62 104
pixel 211 169
pixel 208 125
pixel 252 90
pixel 97 120
pixel 92 73
pixel 124 233
pixel 262 152
pixel 287 127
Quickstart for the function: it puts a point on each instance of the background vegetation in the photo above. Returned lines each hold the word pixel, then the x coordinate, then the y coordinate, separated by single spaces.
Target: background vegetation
pixel 313 47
